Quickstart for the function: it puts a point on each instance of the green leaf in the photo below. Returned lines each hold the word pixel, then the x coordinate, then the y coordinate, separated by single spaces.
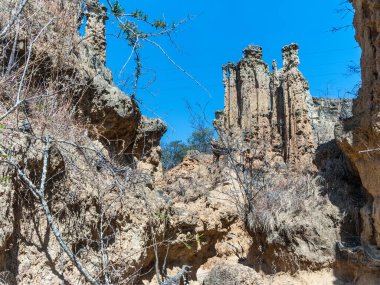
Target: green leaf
pixel 159 24
pixel 117 9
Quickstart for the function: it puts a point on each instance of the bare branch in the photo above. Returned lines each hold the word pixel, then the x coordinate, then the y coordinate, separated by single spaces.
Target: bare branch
pixel 49 216
pixel 15 16
pixel 28 59
pixel 176 65
pixel 369 150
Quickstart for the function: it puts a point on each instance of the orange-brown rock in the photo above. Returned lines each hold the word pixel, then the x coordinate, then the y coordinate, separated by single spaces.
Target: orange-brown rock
pixel 359 137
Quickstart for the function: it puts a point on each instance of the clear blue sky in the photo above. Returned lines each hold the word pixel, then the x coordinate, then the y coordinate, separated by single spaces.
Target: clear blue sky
pixel 217 33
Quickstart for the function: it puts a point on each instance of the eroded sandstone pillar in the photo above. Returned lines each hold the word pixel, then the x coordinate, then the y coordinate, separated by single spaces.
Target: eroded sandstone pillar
pixel 297 131
pixel 253 87
pixel 230 97
pixel 268 113
pixel 95 34
pixel 276 108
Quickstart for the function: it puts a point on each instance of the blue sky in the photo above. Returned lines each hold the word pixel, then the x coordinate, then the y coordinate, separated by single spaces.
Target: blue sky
pixel 217 33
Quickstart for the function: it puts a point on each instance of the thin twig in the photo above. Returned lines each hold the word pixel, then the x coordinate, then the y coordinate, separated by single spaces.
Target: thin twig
pixel 19 9
pixel 49 216
pixel 130 56
pixel 28 59
pixel 369 150
pixel 178 66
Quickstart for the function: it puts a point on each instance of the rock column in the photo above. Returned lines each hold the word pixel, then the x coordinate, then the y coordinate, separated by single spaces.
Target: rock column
pixel 297 131
pixel 268 113
pixel 254 90
pixel 230 97
pixel 95 34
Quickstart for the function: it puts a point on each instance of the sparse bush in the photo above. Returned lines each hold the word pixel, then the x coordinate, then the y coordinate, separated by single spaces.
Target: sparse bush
pixel 173 153
pixel 282 196
pixel 200 140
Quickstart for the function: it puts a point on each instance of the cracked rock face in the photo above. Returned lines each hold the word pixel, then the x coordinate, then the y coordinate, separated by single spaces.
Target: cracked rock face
pixel 325 114
pixel 359 137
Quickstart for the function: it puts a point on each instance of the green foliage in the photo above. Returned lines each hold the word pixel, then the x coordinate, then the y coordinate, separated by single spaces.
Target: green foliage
pixel 160 24
pixel 117 10
pixel 200 140
pixel 136 28
pixel 173 153
pixel 140 15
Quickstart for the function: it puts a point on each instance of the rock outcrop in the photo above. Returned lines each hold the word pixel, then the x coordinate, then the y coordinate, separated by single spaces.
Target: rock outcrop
pixel 359 137
pixel 292 228
pixel 326 113
pixel 269 112
pixel 95 35
pixel 100 174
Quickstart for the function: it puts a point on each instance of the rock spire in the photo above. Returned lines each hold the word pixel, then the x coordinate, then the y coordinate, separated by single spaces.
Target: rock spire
pixel 268 111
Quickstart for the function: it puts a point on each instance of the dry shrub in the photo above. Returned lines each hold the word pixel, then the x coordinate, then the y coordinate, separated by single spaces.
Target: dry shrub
pixel 284 195
pixel 55 116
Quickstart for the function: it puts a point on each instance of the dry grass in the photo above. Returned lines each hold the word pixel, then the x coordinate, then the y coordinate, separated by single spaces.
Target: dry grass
pixel 284 195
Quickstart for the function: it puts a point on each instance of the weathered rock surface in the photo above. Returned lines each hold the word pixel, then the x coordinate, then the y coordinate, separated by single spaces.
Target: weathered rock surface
pixel 359 137
pixel 147 149
pixel 100 191
pixel 95 36
pixel 269 112
pixel 326 113
pixel 294 226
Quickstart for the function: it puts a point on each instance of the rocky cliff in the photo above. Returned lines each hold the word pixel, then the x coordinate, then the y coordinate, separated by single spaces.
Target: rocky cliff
pixel 83 143
pixel 359 137
pixel 326 113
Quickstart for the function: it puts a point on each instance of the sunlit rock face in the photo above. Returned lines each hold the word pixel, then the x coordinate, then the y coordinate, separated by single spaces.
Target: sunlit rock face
pixel 359 137
pixel 95 35
pixel 269 111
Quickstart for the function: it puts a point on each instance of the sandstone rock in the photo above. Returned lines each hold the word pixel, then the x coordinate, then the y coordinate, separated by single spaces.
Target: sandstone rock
pixel 95 35
pixel 269 113
pixel 326 113
pixel 111 116
pixel 193 214
pixel 147 148
pixel 359 137
pixel 82 182
pixel 294 225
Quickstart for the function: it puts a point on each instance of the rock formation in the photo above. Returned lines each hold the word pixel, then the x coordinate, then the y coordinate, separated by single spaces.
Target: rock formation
pixel 111 152
pixel 126 224
pixel 114 117
pixel 359 137
pixel 270 112
pixel 325 114
pixel 95 34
